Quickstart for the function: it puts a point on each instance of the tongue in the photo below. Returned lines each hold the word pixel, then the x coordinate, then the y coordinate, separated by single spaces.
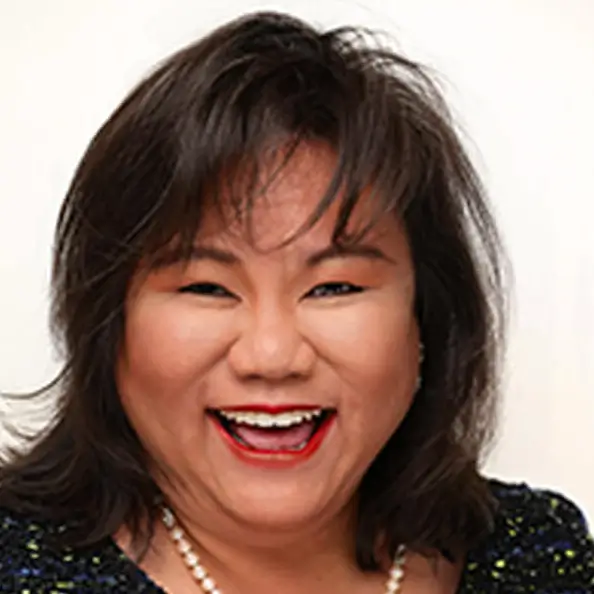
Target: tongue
pixel 274 439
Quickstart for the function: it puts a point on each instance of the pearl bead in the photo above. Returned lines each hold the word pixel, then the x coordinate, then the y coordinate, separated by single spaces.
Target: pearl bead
pixel 396 572
pixel 168 518
pixel 199 572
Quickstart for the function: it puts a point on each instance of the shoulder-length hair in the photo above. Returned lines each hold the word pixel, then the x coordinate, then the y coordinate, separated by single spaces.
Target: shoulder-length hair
pixel 202 120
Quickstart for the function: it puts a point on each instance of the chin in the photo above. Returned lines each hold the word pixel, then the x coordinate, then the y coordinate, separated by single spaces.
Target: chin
pixel 278 507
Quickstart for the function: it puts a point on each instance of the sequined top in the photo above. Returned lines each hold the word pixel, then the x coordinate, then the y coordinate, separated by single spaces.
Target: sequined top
pixel 540 544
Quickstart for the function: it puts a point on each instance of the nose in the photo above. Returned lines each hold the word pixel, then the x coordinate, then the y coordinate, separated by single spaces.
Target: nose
pixel 271 347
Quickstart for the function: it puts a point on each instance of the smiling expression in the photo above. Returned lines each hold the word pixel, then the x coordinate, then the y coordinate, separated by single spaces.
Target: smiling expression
pixel 253 326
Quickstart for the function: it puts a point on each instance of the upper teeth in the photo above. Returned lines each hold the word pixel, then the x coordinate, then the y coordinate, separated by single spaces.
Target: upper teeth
pixel 261 419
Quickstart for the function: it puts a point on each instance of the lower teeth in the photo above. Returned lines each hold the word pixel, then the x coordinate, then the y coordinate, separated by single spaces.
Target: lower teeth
pixel 300 446
pixel 296 448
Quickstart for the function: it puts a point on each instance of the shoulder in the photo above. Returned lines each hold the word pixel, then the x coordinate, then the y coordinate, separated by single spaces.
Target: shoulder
pixel 540 541
pixel 30 560
pixel 21 535
pixel 27 557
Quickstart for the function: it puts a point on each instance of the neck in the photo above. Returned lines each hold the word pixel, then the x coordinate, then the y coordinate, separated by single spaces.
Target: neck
pixel 316 556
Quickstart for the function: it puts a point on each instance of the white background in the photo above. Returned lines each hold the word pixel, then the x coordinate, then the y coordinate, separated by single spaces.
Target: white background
pixel 520 76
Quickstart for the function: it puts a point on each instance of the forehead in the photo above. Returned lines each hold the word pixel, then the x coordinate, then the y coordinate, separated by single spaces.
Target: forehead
pixel 287 193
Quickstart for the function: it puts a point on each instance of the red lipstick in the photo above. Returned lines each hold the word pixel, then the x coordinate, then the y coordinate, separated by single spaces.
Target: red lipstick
pixel 275 459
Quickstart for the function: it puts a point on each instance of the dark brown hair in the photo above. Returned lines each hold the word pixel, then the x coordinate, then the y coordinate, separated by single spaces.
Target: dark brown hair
pixel 202 120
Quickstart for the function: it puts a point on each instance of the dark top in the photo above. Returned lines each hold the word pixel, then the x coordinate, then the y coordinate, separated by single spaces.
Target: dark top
pixel 540 544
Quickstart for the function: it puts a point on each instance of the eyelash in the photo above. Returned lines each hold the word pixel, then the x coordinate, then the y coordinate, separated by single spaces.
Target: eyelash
pixel 207 289
pixel 340 289
pixel 336 290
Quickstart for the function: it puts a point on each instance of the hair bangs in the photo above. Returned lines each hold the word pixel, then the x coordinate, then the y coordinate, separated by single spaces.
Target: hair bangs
pixel 243 124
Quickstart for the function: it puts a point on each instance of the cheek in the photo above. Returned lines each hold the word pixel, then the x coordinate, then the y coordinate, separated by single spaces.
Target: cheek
pixel 169 343
pixel 373 351
pixel 371 341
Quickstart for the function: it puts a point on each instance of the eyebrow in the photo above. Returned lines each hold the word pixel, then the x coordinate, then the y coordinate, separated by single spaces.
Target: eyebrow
pixel 332 252
pixel 354 250
pixel 197 252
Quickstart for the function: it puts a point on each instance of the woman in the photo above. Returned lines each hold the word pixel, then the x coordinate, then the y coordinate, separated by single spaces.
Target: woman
pixel 279 291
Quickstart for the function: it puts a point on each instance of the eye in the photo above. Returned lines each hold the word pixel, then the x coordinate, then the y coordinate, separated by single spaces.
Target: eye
pixel 207 290
pixel 334 290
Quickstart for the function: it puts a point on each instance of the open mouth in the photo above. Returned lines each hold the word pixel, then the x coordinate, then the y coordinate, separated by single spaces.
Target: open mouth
pixel 288 432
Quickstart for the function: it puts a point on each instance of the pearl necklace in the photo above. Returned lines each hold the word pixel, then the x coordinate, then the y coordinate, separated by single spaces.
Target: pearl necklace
pixel 208 585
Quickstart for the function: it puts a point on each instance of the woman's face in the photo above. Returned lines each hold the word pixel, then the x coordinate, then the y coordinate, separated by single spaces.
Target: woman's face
pixel 264 380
